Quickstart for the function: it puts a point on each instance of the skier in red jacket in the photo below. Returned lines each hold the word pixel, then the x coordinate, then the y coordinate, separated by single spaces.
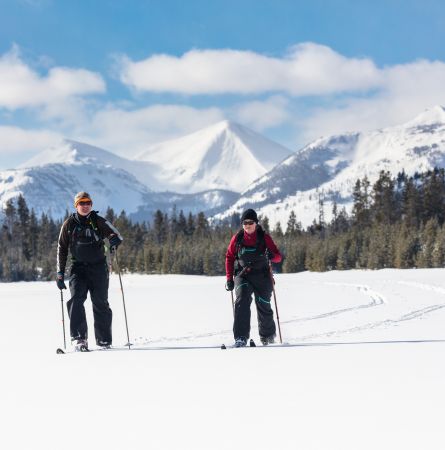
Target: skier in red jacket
pixel 247 271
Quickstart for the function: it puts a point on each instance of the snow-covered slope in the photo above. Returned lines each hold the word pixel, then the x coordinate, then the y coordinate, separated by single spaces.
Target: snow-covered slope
pixel 325 394
pixel 330 167
pixel 50 187
pixel 50 180
pixel 223 156
pixel 202 171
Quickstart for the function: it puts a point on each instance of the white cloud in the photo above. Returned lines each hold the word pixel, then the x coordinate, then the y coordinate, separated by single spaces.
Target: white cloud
pixel 307 69
pixel 18 140
pixel 406 91
pixel 23 87
pixel 261 115
pixel 355 94
pixel 128 132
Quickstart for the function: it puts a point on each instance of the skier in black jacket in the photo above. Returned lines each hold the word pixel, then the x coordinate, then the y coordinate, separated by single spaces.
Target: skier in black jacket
pixel 82 235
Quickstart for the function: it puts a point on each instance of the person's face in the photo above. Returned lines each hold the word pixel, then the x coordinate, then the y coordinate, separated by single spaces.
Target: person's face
pixel 84 207
pixel 249 226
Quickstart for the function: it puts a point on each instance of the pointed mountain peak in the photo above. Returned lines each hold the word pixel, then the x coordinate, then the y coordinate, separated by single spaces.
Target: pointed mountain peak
pixel 222 127
pixel 431 116
pixel 230 125
pixel 209 158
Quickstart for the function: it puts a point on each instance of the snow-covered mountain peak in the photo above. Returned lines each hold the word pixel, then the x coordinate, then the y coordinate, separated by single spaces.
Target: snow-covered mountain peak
pixel 225 155
pixel 431 116
pixel 72 152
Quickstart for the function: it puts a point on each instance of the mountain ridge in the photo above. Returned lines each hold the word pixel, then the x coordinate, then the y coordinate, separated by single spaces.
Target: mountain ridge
pixel 327 167
pixel 331 165
pixel 72 166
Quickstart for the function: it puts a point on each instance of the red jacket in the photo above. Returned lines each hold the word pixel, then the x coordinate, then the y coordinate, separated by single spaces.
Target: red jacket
pixel 249 240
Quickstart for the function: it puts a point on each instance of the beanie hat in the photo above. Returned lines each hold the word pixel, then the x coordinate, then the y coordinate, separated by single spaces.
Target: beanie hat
pixel 249 214
pixel 82 196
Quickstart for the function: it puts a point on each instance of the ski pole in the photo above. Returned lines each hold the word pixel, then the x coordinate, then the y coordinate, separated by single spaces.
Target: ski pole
pixel 123 297
pixel 275 300
pixel 63 319
pixel 233 304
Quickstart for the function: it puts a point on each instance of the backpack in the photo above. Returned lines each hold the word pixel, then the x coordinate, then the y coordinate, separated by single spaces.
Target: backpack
pixel 86 242
pixel 254 257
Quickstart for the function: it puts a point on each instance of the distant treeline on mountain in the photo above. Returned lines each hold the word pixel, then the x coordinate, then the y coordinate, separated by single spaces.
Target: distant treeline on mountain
pixel 397 222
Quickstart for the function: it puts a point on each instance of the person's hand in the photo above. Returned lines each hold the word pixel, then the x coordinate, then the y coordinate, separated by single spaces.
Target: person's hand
pixel 115 241
pixel 230 285
pixel 60 280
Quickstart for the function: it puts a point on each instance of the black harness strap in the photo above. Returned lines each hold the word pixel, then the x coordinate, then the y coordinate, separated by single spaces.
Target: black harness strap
pixel 260 241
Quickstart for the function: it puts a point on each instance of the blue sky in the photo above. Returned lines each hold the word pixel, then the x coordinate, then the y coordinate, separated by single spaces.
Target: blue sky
pixel 125 74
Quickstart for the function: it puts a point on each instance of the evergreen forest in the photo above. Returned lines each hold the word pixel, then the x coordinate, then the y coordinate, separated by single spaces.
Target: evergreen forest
pixel 396 222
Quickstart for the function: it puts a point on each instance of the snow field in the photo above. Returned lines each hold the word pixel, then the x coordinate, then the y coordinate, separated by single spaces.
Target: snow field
pixel 358 396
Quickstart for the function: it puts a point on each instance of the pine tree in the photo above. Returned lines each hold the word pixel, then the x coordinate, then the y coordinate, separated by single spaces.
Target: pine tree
pixel 278 232
pixel 405 247
pixel 427 243
pixel 438 253
pixel 411 204
pixel 291 227
pixel 264 221
pixel 385 207
pixel 361 203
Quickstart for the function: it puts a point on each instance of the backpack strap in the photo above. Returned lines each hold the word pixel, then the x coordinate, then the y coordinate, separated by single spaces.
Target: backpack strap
pixel 73 224
pixel 238 242
pixel 71 227
pixel 261 241
pixel 93 222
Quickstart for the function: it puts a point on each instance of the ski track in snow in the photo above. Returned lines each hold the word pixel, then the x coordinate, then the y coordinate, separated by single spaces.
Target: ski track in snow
pixel 186 338
pixel 379 300
pixel 376 299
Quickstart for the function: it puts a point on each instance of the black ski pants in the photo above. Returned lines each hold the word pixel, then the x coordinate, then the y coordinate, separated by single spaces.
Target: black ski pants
pixel 92 278
pixel 259 284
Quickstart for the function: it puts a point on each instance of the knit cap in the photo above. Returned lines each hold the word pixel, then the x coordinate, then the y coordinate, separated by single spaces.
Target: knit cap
pixel 249 214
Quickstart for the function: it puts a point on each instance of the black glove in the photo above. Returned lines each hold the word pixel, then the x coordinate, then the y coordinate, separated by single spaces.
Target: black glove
pixel 60 280
pixel 115 241
pixel 230 285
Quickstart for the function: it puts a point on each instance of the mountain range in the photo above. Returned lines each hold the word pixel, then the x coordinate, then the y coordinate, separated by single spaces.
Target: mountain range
pixel 226 168
pixel 204 171
pixel 330 166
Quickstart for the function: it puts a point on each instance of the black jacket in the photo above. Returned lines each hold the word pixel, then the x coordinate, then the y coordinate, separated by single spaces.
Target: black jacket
pixel 83 238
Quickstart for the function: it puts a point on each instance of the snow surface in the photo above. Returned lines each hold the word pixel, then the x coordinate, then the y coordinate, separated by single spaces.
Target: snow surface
pixel 385 395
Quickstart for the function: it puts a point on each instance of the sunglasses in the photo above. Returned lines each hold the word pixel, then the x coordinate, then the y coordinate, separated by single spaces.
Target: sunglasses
pixel 85 203
pixel 248 222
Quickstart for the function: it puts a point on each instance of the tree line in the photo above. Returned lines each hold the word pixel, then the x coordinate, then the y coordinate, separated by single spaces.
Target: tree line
pixel 396 222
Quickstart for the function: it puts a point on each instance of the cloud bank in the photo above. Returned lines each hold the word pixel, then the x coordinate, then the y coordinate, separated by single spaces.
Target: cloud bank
pixel 307 69
pixel 310 91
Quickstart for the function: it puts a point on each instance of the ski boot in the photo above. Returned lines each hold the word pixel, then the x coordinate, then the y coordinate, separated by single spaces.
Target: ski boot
pixel 104 345
pixel 81 345
pixel 240 342
pixel 266 340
